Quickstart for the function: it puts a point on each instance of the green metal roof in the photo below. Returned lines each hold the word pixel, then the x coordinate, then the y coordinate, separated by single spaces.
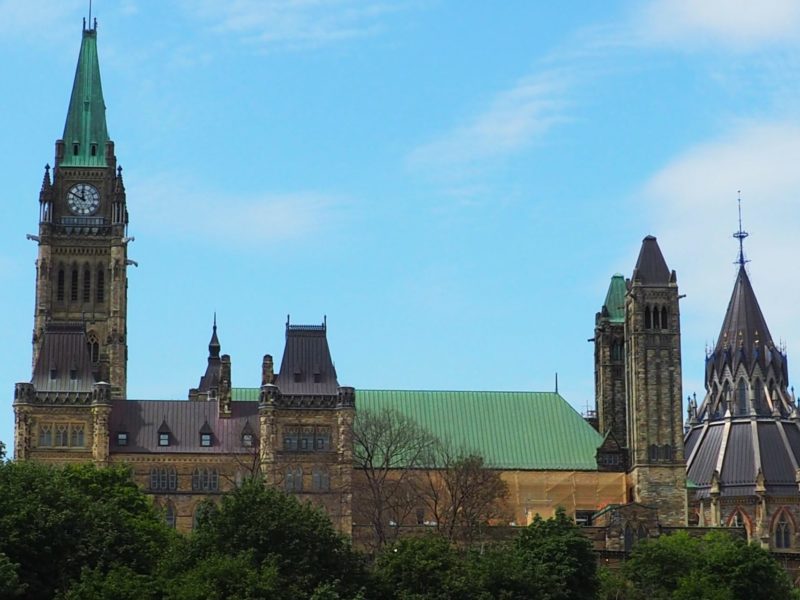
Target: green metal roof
pixel 615 299
pixel 86 119
pixel 511 430
pixel 245 394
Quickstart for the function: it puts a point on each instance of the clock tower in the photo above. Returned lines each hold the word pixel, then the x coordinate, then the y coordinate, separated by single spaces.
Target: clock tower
pixel 80 316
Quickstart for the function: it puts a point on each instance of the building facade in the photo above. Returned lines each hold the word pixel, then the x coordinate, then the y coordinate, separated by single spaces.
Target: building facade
pixel 628 473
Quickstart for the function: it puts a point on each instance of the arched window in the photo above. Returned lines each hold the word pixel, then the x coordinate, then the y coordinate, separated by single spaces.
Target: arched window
pixel 653 452
pixel 628 538
pixel 664 320
pixel 648 320
pixel 73 285
pixel 94 347
pixel 320 479
pixel 169 515
pixel 62 434
pixel 656 318
pixel 60 285
pixel 76 436
pixel 293 481
pixel 205 480
pixel 163 479
pixel 87 283
pixel 783 532
pixel 46 435
pixel 101 286
pixel 741 397
pixel 666 452
pixel 641 533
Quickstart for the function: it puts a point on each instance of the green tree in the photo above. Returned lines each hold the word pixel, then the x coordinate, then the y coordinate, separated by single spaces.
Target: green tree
pixel 426 567
pixel 275 531
pixel 10 586
pixel 550 560
pixel 56 522
pixel 716 566
pixel 2 451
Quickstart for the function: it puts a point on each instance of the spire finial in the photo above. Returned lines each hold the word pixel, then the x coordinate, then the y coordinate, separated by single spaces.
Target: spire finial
pixel 215 320
pixel 741 234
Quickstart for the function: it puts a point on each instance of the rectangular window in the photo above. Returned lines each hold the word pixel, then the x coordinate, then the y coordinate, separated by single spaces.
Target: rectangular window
pixel 122 438
pixel 163 439
pixel 583 518
pixel 205 440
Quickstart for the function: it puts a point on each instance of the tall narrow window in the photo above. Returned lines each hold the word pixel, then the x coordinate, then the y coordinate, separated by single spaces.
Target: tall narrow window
pixel 87 284
pixel 742 397
pixel 656 319
pixel 783 533
pixel 62 435
pixel 60 285
pixel 664 321
pixel 101 286
pixel 76 436
pixel 648 321
pixel 45 435
pixel 73 285
pixel 169 514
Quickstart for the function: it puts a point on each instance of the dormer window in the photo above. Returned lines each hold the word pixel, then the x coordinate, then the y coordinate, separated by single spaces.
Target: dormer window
pixel 205 440
pixel 163 439
pixel 73 374
pixel 53 373
pixel 75 148
pixel 122 438
pixel 247 440
pixel 298 377
pixel 94 149
pixel 317 377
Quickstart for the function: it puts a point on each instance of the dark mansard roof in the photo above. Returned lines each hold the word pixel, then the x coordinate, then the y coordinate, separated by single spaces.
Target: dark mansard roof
pixel 64 363
pixel 184 420
pixel 307 368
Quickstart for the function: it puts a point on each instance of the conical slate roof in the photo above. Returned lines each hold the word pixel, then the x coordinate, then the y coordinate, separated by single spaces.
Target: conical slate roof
pixel 85 132
pixel 744 324
pixel 651 268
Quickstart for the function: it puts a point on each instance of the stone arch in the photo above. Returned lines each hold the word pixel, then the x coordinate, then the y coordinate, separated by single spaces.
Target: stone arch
pixel 782 529
pixel 739 518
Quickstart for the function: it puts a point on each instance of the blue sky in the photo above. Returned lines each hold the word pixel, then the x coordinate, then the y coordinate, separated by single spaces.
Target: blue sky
pixel 451 183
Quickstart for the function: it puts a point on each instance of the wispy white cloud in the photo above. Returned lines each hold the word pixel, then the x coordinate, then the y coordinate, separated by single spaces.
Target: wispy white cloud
pixel 295 23
pixel 691 203
pixel 736 24
pixel 201 213
pixel 512 120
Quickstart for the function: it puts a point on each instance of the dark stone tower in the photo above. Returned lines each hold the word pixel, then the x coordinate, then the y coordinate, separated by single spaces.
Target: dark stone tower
pixel 609 362
pixel 657 470
pixel 82 263
pixel 80 318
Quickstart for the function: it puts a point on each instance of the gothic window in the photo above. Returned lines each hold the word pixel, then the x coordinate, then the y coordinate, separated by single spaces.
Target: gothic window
pixel 94 347
pixel 163 479
pixel 783 532
pixel 291 439
pixel 320 479
pixel 665 452
pixel 101 286
pixel 653 452
pixel 73 285
pixel 205 480
pixel 664 321
pixel 629 539
pixel 741 407
pixel 76 436
pixel 45 435
pixel 293 481
pixel 307 439
pixel 169 515
pixel 648 320
pixel 656 319
pixel 616 351
pixel 641 533
pixel 87 283
pixel 737 520
pixel 62 434
pixel 60 285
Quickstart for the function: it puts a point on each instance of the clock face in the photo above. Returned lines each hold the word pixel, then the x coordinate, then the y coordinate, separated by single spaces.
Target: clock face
pixel 83 199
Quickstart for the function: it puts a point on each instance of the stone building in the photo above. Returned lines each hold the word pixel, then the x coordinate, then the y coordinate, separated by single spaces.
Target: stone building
pixel 627 474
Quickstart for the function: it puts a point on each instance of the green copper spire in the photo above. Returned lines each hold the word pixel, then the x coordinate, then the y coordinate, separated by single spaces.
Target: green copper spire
pixel 85 133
